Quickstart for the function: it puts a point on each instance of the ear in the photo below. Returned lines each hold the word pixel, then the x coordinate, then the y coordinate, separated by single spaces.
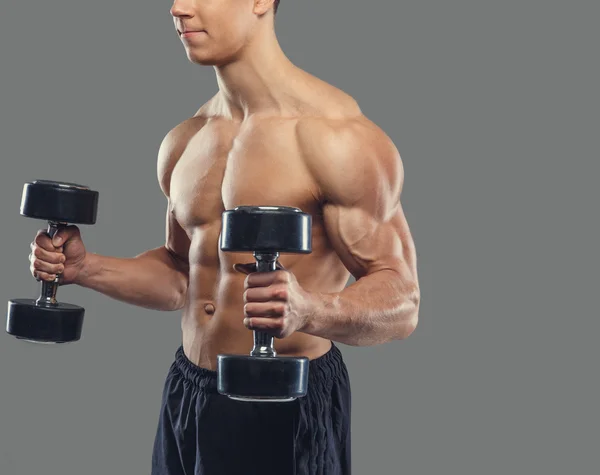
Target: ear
pixel 262 6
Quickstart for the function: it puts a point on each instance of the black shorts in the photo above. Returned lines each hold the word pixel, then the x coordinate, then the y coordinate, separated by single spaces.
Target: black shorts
pixel 201 432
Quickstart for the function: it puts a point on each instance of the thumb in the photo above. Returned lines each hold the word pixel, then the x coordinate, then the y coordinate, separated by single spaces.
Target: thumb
pixel 64 234
pixel 245 268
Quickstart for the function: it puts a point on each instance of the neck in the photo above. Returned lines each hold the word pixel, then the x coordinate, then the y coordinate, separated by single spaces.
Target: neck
pixel 259 80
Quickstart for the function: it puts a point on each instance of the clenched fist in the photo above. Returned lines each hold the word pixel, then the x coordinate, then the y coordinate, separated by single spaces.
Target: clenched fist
pixel 63 255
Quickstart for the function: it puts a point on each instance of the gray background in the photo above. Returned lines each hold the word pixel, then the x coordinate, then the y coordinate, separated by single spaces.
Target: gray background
pixel 494 108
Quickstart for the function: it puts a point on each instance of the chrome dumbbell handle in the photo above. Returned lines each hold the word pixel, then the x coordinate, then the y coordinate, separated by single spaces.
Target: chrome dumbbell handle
pixel 263 342
pixel 48 290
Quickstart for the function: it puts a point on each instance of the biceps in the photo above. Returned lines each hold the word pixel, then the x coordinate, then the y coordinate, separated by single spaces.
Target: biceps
pixel 366 244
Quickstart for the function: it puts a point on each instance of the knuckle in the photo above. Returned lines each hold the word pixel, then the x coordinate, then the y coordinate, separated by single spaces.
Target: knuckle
pixel 281 293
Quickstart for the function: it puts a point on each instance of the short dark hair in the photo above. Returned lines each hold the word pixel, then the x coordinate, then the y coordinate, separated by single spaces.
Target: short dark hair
pixel 275 6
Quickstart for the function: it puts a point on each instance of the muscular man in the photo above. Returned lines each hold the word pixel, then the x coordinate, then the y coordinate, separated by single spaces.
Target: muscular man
pixel 273 134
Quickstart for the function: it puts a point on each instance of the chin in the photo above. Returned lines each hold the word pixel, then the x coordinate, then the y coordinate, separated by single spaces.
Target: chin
pixel 202 60
pixel 205 58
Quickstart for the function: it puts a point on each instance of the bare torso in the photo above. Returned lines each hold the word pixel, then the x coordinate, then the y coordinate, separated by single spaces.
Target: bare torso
pixel 221 163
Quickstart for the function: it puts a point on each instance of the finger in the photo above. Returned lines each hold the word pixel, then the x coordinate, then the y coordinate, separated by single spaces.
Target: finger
pixel 64 234
pixel 251 268
pixel 264 279
pixel 265 294
pixel 49 268
pixel 42 239
pixel 39 276
pixel 245 268
pixel 268 309
pixel 54 257
pixel 269 325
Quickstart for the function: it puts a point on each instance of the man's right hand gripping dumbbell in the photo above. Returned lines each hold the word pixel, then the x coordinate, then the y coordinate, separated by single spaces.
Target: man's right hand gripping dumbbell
pixel 65 255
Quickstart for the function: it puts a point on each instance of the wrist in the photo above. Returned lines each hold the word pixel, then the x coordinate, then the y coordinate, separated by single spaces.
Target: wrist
pixel 88 268
pixel 320 306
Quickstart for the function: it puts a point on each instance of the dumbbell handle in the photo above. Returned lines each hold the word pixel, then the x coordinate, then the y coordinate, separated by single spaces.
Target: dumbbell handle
pixel 48 291
pixel 263 342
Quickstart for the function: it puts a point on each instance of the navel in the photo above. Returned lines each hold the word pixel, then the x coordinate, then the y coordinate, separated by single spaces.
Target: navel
pixel 209 308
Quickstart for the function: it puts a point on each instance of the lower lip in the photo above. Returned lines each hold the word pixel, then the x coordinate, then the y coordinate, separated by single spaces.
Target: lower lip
pixel 190 34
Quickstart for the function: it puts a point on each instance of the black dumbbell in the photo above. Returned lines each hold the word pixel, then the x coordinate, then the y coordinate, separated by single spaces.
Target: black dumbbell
pixel 266 231
pixel 45 320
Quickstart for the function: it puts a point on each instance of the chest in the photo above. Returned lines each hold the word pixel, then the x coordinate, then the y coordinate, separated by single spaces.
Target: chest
pixel 224 167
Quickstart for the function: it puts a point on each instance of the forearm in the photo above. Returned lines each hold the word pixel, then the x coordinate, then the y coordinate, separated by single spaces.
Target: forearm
pixel 153 279
pixel 375 309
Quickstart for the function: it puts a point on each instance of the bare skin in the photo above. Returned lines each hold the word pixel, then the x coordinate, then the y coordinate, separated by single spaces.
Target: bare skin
pixel 273 135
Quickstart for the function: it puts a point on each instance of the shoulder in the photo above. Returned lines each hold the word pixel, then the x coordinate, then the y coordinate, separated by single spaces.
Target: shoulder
pixel 349 157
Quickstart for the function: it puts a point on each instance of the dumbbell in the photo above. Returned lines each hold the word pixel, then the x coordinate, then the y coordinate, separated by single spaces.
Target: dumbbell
pixel 45 320
pixel 266 231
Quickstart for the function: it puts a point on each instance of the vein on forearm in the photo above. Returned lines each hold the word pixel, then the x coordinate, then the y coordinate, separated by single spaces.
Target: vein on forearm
pixel 375 309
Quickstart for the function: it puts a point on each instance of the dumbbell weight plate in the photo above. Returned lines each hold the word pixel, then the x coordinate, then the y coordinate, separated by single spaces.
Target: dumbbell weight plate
pixel 252 378
pixel 268 229
pixel 61 202
pixel 56 323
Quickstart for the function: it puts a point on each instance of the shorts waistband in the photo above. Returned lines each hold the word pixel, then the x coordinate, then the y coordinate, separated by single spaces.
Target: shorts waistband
pixel 321 370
